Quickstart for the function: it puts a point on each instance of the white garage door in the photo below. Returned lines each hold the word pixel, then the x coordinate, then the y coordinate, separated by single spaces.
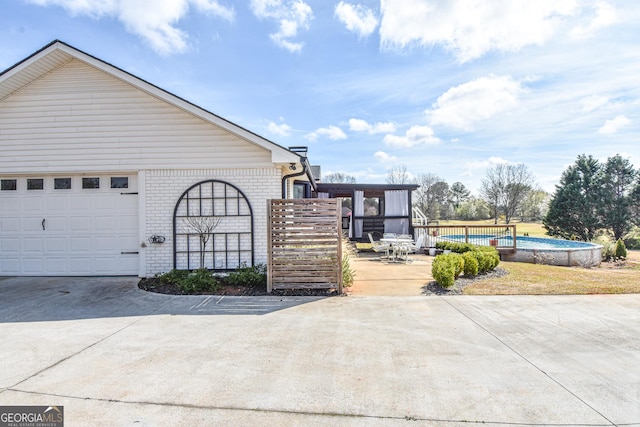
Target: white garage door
pixel 69 225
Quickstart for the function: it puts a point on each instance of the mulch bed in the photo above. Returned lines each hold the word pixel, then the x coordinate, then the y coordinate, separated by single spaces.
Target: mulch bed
pixel 432 288
pixel 153 284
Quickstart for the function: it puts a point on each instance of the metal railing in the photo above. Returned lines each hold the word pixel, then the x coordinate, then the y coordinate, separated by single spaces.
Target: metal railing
pixel 499 236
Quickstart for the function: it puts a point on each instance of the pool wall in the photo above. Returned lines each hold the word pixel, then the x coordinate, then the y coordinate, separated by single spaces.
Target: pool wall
pixel 580 257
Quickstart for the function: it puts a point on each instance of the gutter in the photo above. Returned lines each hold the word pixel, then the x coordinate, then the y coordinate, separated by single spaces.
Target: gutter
pixel 303 162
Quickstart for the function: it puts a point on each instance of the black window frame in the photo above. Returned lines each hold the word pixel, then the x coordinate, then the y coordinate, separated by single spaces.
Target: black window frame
pixel 31 184
pixel 126 182
pixel 3 186
pixel 86 180
pixel 59 180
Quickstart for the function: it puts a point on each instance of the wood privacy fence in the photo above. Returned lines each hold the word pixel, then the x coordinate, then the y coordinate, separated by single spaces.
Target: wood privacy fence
pixel 304 247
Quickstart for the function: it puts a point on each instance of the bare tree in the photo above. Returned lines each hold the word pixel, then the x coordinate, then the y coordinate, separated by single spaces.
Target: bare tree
pixel 432 195
pixel 203 227
pixel 398 175
pixel 519 182
pixel 492 189
pixel 339 177
pixel 505 187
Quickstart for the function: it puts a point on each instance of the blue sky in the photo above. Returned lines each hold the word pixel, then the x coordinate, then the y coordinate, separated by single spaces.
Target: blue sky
pixel 445 87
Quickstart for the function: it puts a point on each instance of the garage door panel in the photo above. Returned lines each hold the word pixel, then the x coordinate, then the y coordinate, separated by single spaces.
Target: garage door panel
pixel 109 203
pixel 80 244
pixel 32 203
pixel 127 224
pixel 105 264
pixel 10 266
pixel 128 202
pixel 32 224
pixel 128 262
pixel 80 266
pixel 34 266
pixel 33 244
pixel 54 224
pixel 10 244
pixel 56 245
pixel 9 224
pixel 105 244
pixel 9 205
pixel 80 203
pixel 79 224
pixel 57 266
pixel 85 229
pixel 57 204
pixel 105 223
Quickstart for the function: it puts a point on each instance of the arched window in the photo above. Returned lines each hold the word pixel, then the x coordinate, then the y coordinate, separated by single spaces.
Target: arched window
pixel 212 228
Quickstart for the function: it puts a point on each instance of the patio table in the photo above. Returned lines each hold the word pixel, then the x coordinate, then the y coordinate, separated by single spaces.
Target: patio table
pixel 397 242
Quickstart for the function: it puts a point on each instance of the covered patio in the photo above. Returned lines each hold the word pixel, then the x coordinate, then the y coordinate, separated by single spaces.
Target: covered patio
pixel 372 208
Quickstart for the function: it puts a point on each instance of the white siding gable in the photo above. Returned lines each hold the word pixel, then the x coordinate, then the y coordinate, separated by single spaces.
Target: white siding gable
pixel 78 118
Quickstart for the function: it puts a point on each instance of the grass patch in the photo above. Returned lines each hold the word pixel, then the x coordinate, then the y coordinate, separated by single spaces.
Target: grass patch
pixel 535 279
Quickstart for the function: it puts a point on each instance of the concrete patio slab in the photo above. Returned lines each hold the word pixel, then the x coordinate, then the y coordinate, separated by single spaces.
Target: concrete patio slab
pixel 145 359
pixel 376 276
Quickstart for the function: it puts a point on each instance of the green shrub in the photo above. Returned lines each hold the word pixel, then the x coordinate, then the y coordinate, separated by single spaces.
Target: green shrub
pixel 347 272
pixel 488 258
pixel 621 250
pixel 200 280
pixel 251 277
pixel 446 268
pixel 442 245
pixel 632 238
pixel 608 247
pixel 457 247
pixel 470 263
pixel 173 276
pixel 443 270
pixel 458 263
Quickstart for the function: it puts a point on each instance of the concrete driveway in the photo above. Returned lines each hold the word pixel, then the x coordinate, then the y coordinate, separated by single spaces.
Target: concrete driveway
pixel 114 355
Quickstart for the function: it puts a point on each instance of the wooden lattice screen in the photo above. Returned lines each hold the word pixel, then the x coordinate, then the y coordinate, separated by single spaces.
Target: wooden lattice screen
pixel 305 249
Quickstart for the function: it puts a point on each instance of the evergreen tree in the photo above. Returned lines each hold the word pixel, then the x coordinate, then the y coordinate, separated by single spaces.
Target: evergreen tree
pixel 616 205
pixel 574 208
pixel 459 194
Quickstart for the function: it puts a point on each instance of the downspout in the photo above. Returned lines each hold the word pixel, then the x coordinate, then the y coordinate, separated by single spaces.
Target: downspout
pixel 303 161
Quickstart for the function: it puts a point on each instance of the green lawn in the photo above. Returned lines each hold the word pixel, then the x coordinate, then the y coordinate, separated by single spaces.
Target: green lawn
pixel 536 279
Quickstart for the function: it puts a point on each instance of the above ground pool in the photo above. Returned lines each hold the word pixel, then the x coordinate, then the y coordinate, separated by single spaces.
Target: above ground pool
pixel 539 250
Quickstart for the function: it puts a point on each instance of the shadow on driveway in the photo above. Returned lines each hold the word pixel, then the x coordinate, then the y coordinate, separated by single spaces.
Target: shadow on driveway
pixel 36 299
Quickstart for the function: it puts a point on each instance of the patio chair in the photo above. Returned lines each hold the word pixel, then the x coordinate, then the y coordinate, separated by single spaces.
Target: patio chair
pixel 379 246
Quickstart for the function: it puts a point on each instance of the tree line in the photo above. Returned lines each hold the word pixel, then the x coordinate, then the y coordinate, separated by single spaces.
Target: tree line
pixel 595 197
pixel 508 191
pixel 592 197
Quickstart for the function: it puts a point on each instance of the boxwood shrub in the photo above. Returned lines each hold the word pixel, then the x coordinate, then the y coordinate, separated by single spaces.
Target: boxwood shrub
pixel 444 269
pixel 478 259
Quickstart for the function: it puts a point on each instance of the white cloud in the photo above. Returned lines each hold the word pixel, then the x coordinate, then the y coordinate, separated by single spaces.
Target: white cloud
pixel 154 22
pixel 291 16
pixel 614 125
pixel 359 125
pixel 334 133
pixel 474 101
pixel 471 28
pixel 484 164
pixel 282 130
pixel 357 18
pixel 605 16
pixel 383 157
pixel 593 102
pixel 414 136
